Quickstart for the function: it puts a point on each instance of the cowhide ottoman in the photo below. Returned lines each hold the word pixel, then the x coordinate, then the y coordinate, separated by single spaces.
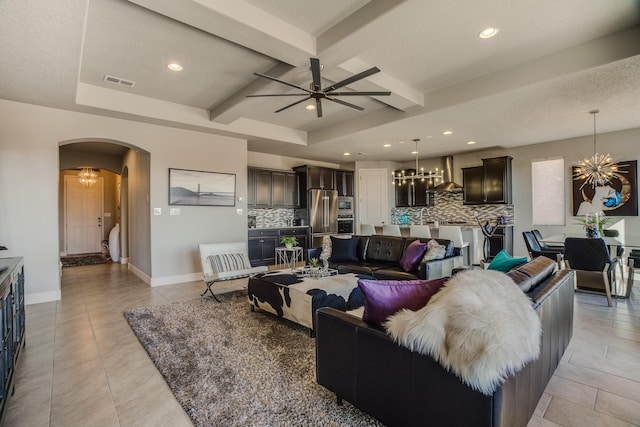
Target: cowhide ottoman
pixel 297 299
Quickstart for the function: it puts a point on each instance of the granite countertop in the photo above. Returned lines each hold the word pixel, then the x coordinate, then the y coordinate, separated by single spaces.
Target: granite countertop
pixel 278 227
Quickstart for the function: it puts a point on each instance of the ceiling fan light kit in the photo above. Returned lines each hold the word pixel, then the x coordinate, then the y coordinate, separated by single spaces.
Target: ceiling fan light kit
pixel 317 93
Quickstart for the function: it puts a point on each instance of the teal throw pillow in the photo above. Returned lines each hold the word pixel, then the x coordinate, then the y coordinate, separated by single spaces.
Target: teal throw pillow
pixel 505 262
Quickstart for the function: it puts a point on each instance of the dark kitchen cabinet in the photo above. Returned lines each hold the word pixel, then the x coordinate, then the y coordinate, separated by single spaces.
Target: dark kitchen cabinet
pixel 284 190
pixel 497 179
pixel 472 179
pixel 344 183
pixel 489 183
pixel 502 239
pixel 416 194
pixel 272 189
pixel 317 177
pixel 262 245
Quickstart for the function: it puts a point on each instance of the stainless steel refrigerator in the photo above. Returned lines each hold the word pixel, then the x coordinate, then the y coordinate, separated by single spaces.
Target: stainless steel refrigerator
pixel 323 214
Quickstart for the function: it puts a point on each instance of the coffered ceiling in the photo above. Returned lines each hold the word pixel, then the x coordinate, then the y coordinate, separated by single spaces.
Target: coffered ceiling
pixel 550 63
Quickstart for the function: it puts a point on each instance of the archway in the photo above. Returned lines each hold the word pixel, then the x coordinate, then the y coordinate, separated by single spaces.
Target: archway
pixel 124 161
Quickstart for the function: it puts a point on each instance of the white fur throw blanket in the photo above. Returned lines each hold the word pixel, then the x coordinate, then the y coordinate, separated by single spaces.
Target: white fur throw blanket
pixel 480 325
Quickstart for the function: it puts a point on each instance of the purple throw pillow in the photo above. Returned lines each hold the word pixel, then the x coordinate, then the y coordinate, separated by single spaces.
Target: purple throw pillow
pixel 412 256
pixel 382 298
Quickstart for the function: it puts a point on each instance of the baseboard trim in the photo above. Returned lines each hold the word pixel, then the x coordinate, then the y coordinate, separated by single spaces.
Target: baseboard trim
pixel 172 280
pixel 139 273
pixel 41 297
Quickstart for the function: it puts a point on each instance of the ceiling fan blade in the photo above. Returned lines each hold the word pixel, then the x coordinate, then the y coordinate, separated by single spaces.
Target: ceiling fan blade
pixel 281 81
pixel 353 79
pixel 291 105
pixel 357 93
pixel 278 94
pixel 315 72
pixel 345 103
pixel 319 107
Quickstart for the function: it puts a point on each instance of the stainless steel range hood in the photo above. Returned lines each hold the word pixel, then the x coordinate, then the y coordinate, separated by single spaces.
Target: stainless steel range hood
pixel 447 176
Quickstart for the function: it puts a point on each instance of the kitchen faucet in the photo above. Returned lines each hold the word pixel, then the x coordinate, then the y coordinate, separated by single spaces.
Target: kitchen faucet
pixel 421 214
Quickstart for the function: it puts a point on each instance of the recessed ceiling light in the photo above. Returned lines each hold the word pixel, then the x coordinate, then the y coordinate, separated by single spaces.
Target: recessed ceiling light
pixel 174 66
pixel 471 142
pixel 387 145
pixel 401 142
pixel 310 107
pixel 414 152
pixel 347 154
pixel 447 132
pixel 487 33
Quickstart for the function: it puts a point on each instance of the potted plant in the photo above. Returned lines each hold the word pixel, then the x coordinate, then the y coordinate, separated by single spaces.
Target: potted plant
pixel 289 241
pixel 314 262
pixel 594 223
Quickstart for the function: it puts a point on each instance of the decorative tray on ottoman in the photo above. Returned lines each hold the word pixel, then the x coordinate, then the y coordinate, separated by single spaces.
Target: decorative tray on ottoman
pixel 314 272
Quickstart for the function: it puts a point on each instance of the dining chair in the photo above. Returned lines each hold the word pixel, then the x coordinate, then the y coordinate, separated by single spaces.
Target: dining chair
pixel 391 230
pixel 535 250
pixel 454 233
pixel 420 231
pixel 633 261
pixel 595 268
pixel 367 230
pixel 543 245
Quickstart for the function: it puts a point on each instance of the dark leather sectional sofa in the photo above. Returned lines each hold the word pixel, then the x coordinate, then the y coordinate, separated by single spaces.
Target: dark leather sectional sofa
pixel 361 364
pixel 379 257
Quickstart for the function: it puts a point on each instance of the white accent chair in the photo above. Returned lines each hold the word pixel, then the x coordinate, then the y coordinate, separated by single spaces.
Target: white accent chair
pixel 454 233
pixel 211 275
pixel 422 231
pixel 391 230
pixel 367 230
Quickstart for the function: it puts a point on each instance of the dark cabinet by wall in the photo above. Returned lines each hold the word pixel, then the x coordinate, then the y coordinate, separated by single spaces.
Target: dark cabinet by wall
pixel 502 239
pixel 12 323
pixel 416 194
pixel 272 189
pixel 262 243
pixel 262 246
pixel 489 183
pixel 344 183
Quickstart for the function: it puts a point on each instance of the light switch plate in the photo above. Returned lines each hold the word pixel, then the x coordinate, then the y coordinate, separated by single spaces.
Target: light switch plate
pixel 174 211
pixel 157 211
pixel 107 214
pixel 239 211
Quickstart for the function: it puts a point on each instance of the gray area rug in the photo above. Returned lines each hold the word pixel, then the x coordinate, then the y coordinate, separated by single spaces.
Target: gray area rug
pixel 228 366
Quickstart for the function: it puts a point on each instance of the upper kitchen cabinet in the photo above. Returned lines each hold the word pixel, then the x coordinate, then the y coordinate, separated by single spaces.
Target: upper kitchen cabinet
pixel 344 183
pixel 284 190
pixel 416 194
pixel 272 189
pixel 316 177
pixel 489 183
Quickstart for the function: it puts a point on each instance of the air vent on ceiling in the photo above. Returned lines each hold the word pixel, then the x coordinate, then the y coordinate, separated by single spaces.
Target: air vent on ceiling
pixel 118 80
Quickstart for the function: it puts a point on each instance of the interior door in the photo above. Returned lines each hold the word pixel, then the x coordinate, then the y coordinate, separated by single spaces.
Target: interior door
pixel 373 196
pixel 83 216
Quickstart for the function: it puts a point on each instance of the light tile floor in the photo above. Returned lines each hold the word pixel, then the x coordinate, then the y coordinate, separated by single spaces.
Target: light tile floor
pixel 83 366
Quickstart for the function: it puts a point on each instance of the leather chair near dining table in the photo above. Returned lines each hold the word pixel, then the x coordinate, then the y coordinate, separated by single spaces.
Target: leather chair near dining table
pixel 595 268
pixel 535 250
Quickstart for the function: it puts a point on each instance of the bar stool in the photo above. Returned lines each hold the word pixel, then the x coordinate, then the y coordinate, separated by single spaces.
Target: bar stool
pixel 633 261
pixel 367 230
pixel 422 231
pixel 454 233
pixel 391 230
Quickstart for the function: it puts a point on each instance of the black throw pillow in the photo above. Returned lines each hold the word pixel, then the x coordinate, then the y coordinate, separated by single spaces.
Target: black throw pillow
pixel 344 250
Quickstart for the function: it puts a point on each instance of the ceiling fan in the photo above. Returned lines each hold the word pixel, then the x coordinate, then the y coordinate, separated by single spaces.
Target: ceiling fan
pixel 316 92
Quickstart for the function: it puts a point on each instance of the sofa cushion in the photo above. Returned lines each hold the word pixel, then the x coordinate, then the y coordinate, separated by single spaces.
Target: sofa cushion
pixel 505 262
pixel 531 274
pixel 382 298
pixel 412 256
pixel 434 251
pixel 385 249
pixel 344 250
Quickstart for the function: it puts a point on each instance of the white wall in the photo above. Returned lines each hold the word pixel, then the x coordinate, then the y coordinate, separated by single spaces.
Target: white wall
pixel 29 138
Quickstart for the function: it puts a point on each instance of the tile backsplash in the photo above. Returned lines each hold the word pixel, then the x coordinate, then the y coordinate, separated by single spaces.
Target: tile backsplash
pixel 268 218
pixel 448 207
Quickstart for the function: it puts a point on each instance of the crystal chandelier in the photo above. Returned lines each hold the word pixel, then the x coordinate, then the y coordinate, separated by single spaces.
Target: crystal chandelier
pixel 419 174
pixel 597 170
pixel 87 176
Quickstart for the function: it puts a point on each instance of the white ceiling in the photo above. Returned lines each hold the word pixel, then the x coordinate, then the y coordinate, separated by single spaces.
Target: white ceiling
pixel 535 81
